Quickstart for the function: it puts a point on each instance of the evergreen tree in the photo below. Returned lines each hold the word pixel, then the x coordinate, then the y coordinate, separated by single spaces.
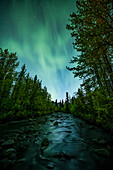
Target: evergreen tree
pixel 8 74
pixel 62 103
pixel 92 29
pixel 20 95
pixel 67 102
pixel 91 26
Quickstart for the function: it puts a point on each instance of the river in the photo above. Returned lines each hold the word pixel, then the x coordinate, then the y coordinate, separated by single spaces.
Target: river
pixel 57 141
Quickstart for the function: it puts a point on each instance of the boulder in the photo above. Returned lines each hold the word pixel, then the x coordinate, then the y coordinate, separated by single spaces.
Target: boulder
pixel 51 165
pixel 44 144
pixel 55 123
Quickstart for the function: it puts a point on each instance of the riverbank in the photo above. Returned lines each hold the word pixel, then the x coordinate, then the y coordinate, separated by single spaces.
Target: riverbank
pixel 103 124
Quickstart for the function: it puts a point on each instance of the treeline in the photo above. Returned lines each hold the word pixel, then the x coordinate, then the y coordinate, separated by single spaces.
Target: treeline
pixel 21 96
pixel 92 29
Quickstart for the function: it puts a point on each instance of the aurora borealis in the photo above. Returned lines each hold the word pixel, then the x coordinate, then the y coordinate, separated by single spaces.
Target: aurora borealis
pixel 36 30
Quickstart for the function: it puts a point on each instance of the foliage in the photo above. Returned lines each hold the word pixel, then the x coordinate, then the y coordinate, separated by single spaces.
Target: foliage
pixel 20 95
pixel 91 28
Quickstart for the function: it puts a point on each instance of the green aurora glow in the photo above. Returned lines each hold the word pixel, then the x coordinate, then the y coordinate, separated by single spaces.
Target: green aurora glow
pixel 36 30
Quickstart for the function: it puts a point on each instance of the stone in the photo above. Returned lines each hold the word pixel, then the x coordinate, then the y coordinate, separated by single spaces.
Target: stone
pixel 51 120
pixel 103 152
pixel 99 141
pixel 109 147
pixel 50 165
pixel 44 144
pixel 58 155
pixel 22 160
pixel 92 127
pixel 62 155
pixel 102 142
pixel 55 124
pixel 67 156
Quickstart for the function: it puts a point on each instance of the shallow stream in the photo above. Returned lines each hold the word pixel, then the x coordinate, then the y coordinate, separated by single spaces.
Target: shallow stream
pixel 57 141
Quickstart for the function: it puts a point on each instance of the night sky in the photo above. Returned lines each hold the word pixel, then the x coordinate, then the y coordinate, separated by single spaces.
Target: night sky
pixel 36 30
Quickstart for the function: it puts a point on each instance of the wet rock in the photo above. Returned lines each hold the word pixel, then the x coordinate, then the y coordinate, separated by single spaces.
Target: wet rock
pixel 67 156
pixel 51 165
pixel 82 160
pixel 92 127
pixel 68 131
pixel 64 140
pixel 43 122
pixel 102 142
pixel 28 136
pixel 109 147
pixel 40 133
pixel 57 116
pixel 31 120
pixel 35 135
pixel 58 155
pixel 36 141
pixel 55 124
pixel 64 156
pixel 95 140
pixel 99 141
pixel 22 160
pixel 8 143
pixel 24 144
pixel 28 130
pixel 68 127
pixel 44 144
pixel 51 120
pixel 103 152
pixel 80 123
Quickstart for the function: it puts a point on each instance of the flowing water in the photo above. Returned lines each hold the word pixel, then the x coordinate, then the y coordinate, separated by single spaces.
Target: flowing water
pixel 57 141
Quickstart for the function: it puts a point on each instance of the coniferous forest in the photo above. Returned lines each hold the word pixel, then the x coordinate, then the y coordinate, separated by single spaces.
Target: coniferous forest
pixel 75 133
pixel 92 30
pixel 91 27
pixel 21 96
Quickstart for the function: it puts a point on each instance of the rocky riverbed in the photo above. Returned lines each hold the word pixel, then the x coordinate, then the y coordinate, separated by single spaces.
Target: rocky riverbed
pixel 57 141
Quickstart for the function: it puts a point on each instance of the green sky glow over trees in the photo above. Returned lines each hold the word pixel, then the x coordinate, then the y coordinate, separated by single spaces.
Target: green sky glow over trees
pixel 36 30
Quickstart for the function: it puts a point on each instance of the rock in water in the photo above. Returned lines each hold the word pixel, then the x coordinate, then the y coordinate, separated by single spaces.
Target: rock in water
pixel 102 142
pixel 55 124
pixel 103 152
pixel 45 142
pixel 50 165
